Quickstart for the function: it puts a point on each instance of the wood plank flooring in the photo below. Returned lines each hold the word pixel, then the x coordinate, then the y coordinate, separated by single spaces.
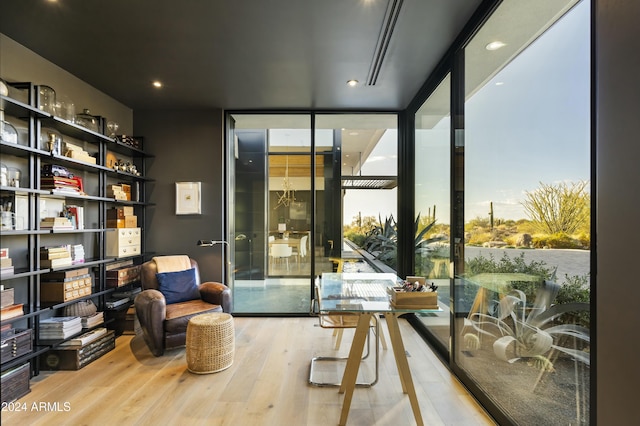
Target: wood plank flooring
pixel 266 385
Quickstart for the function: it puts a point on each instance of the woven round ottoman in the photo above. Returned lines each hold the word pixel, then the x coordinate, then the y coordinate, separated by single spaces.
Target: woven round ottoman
pixel 210 343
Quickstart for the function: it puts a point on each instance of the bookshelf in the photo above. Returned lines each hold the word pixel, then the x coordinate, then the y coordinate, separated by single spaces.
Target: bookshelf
pixel 53 166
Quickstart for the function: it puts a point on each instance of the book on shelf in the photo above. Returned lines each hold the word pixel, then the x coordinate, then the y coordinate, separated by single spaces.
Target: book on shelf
pixel 65 191
pixel 64 276
pixel 52 182
pixel 11 311
pixel 60 334
pixel 54 255
pixel 60 322
pixel 77 253
pixel 54 249
pixel 59 180
pixel 6 297
pixel 86 338
pixel 9 270
pixel 93 320
pixel 6 266
pixel 56 223
pixel 56 263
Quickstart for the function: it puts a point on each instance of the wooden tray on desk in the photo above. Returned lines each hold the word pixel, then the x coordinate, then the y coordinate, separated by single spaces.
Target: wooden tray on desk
pixel 413 299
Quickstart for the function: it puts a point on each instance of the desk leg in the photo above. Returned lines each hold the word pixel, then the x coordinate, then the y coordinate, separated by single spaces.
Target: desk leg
pixel 353 364
pixel 403 365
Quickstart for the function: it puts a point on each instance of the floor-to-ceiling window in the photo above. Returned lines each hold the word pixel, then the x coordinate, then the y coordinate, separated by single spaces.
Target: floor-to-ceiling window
pixel 522 323
pixel 291 178
pixel 360 157
pixel 432 203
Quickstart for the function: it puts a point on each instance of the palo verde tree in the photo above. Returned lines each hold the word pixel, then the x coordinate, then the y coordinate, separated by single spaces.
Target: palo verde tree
pixel 562 208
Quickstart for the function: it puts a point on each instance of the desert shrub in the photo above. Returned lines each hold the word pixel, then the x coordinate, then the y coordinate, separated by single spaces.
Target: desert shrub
pixel 584 239
pixel 477 238
pixel 558 240
pixel 355 237
pixel 481 264
pixel 575 289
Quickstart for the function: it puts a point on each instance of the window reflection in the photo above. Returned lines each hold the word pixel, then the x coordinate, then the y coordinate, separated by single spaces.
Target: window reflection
pixel 522 318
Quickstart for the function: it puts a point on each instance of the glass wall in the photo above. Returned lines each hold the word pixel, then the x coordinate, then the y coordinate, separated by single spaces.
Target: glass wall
pixel 290 184
pixel 270 212
pixel 522 320
pixel 359 153
pixel 432 203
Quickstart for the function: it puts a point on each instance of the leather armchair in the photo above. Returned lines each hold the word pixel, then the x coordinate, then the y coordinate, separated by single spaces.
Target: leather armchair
pixel 163 325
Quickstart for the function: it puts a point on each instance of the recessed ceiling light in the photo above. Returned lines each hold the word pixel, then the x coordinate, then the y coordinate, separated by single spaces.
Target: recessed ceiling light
pixel 353 133
pixel 157 84
pixel 495 45
pixel 352 83
pixel 499 83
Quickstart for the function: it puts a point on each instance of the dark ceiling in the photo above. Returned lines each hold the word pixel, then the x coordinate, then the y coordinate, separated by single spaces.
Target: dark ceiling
pixel 242 54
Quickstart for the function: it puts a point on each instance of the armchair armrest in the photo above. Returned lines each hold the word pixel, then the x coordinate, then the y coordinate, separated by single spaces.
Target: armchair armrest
pixel 217 294
pixel 151 312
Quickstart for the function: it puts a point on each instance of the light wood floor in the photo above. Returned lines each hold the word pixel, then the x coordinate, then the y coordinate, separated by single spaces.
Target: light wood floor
pixel 266 385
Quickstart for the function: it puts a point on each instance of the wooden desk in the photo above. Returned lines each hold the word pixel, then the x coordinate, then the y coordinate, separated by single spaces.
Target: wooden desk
pixel 343 292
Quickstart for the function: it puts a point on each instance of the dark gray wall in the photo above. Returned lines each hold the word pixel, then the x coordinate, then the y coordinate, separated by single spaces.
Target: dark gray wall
pixel 618 209
pixel 188 147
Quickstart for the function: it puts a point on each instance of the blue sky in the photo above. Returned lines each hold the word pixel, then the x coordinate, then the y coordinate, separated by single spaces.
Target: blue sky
pixel 534 127
pixel 527 125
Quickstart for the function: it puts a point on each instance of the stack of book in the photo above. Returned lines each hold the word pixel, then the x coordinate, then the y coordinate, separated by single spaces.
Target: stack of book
pixel 59 184
pixel 77 253
pixel 8 307
pixel 86 338
pixel 55 328
pixel 6 264
pixel 75 151
pixel 55 257
pixel 92 321
pixel 56 223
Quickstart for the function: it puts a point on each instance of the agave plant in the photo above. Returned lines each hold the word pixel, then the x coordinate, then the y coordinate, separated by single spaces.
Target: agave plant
pixel 522 332
pixel 383 241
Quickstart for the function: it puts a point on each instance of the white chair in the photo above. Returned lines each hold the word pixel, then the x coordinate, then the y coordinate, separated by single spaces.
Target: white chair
pixel 281 252
pixel 301 252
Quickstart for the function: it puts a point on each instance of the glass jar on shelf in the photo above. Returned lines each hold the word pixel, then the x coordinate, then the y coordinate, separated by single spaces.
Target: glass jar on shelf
pixel 13 177
pixel 8 133
pixel 85 119
pixel 66 109
pixel 47 99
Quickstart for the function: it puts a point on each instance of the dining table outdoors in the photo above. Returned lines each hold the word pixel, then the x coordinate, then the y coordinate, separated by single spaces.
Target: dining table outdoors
pixel 364 295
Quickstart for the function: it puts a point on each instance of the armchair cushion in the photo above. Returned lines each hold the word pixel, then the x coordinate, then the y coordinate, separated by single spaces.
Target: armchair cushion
pixel 178 286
